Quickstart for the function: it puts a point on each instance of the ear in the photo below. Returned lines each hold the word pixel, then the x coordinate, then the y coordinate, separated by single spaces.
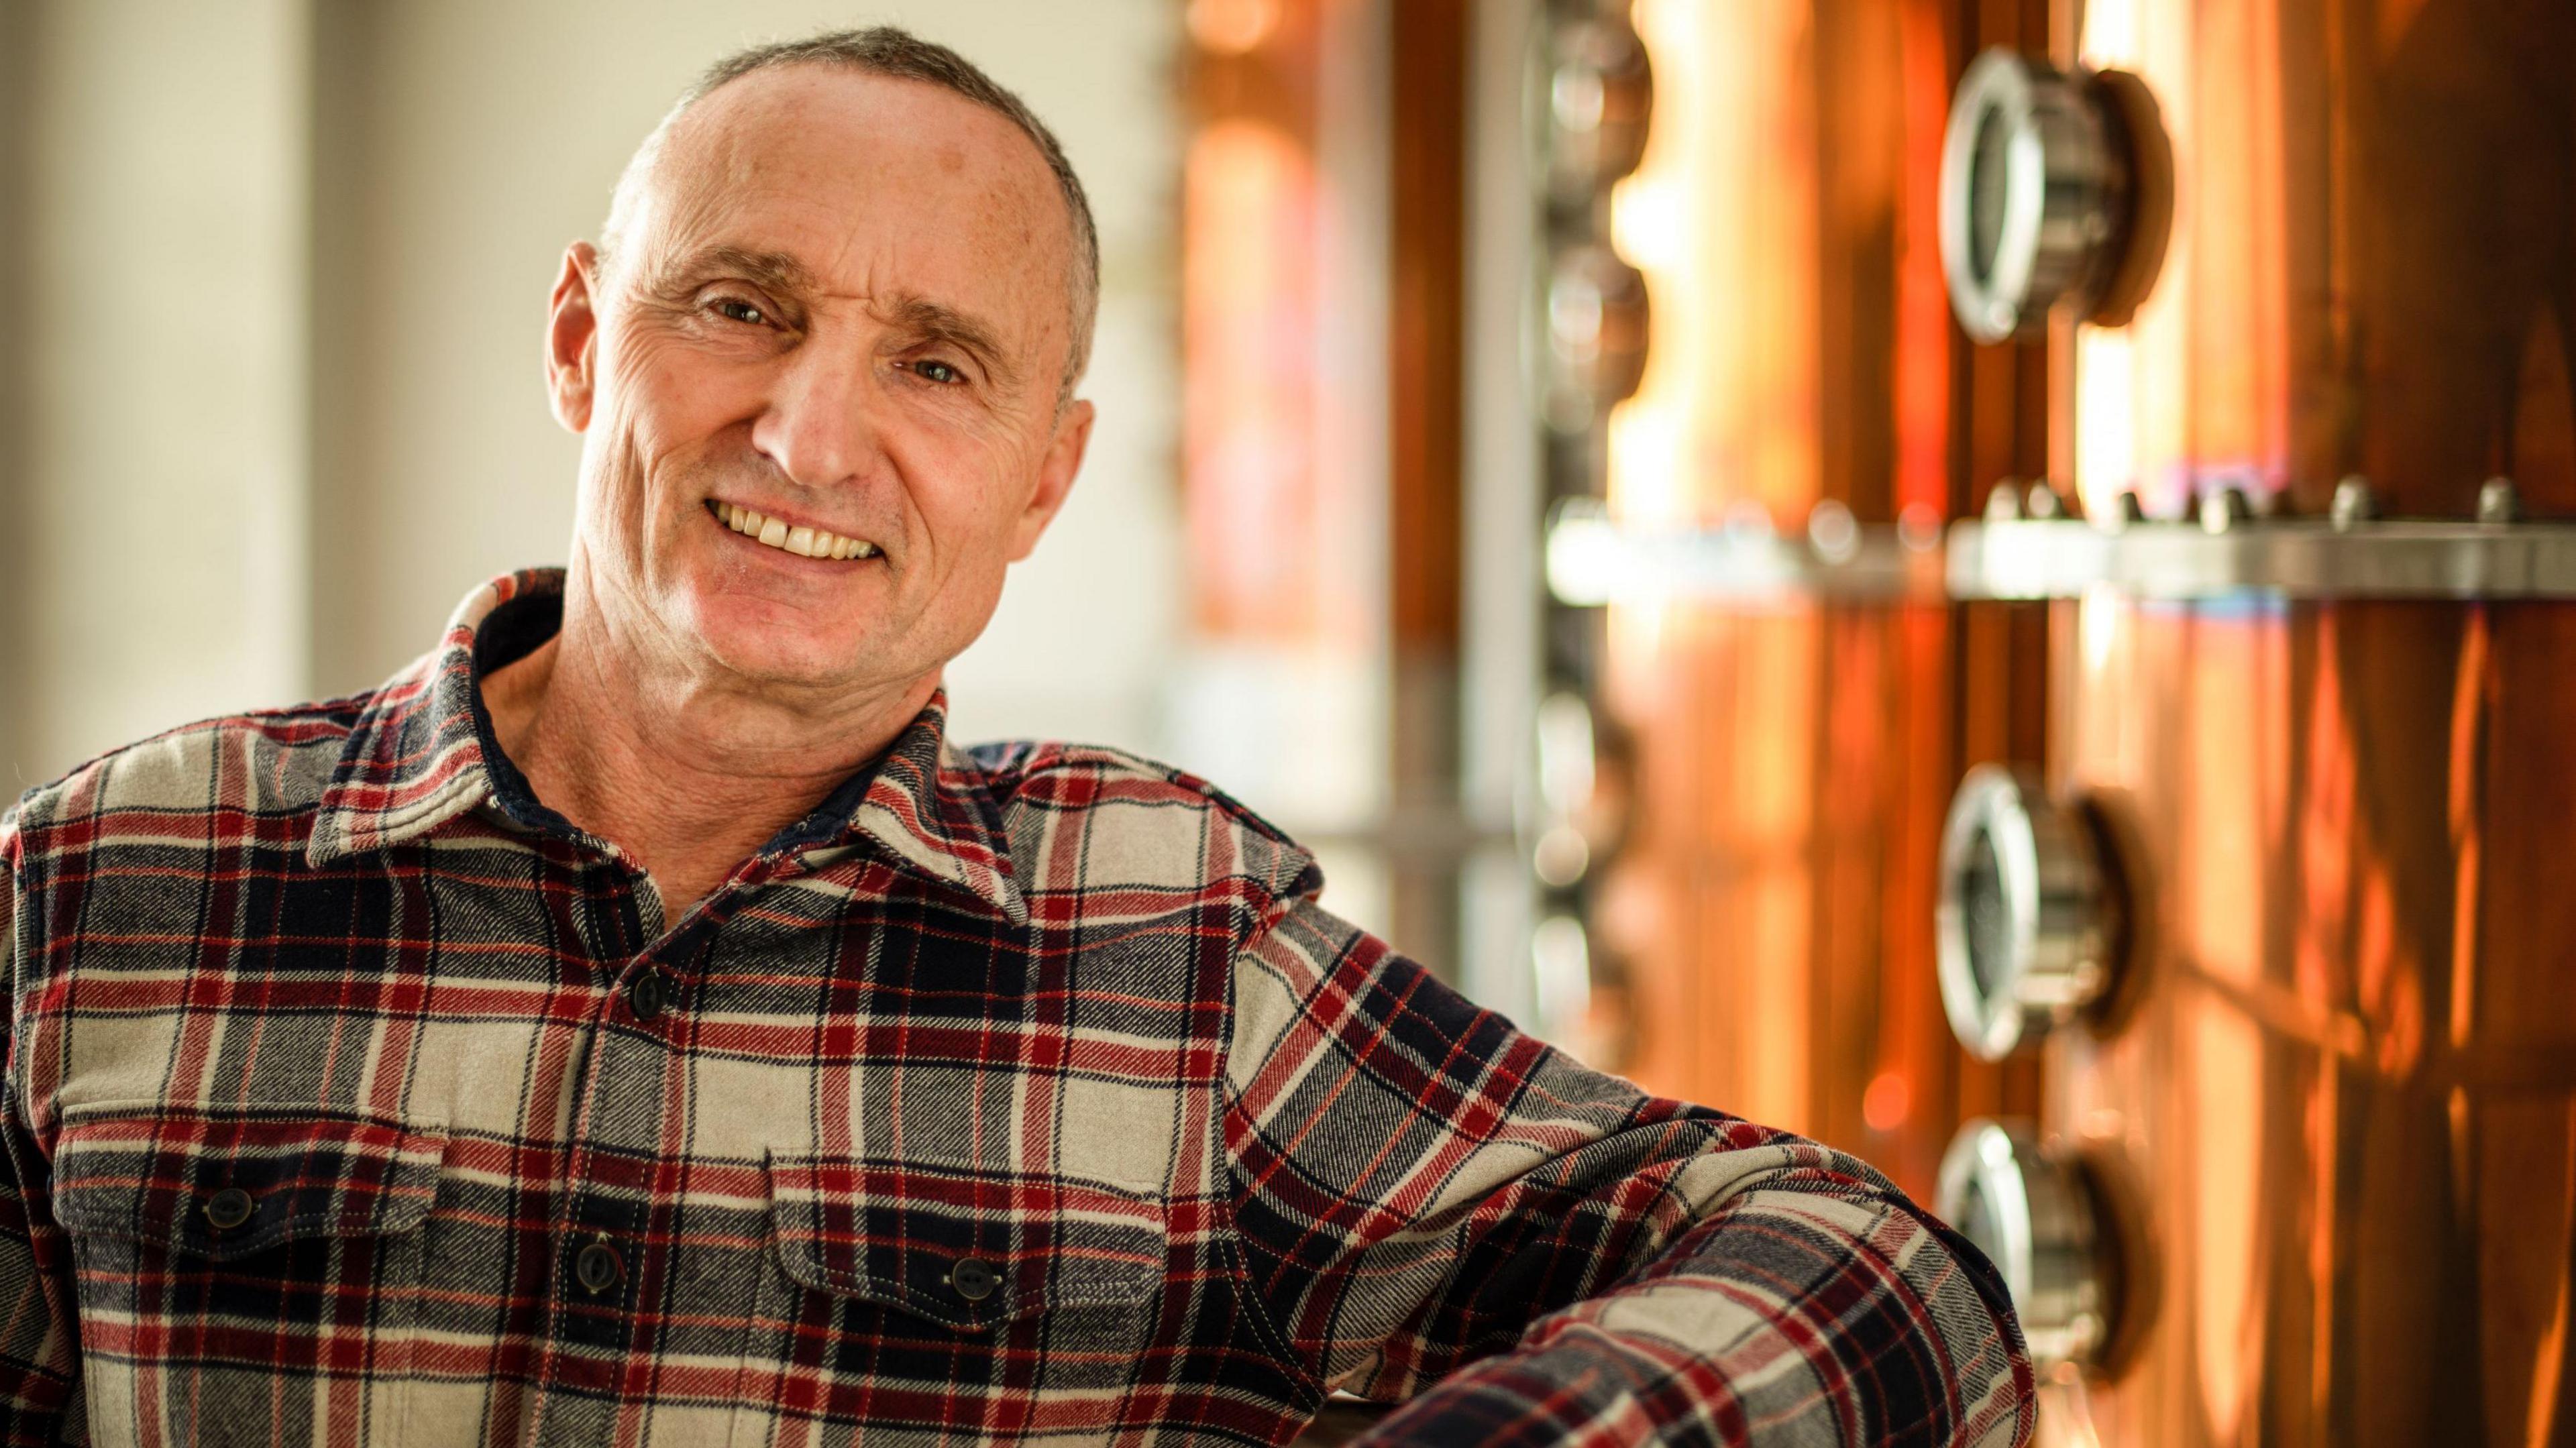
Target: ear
pixel 572 336
pixel 1055 477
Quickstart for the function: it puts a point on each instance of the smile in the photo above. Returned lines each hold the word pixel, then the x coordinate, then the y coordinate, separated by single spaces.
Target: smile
pixel 804 542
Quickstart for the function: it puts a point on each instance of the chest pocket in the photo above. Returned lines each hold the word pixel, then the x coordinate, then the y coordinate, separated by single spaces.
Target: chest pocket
pixel 972 1251
pixel 220 1251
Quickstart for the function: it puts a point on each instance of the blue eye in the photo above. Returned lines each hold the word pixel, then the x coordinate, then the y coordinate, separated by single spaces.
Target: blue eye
pixel 939 372
pixel 741 311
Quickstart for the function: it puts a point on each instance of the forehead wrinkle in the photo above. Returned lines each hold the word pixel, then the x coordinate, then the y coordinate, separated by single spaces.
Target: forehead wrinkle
pixel 730 148
pixel 775 271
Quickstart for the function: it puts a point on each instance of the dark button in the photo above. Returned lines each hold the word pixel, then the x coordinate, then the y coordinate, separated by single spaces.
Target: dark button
pixel 648 994
pixel 974 1278
pixel 598 1268
pixel 228 1208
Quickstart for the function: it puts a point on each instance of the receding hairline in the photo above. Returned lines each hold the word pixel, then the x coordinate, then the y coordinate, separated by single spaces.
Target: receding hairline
pixel 889 53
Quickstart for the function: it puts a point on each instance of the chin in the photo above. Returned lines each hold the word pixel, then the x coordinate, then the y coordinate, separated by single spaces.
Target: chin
pixel 771 640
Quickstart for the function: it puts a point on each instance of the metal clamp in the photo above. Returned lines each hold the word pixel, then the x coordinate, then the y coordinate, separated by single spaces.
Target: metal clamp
pixel 1592 560
pixel 2037 1216
pixel 2035 193
pixel 2024 928
pixel 2348 554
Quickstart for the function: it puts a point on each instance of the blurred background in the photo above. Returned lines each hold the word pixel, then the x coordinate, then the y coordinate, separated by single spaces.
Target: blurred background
pixel 1985 580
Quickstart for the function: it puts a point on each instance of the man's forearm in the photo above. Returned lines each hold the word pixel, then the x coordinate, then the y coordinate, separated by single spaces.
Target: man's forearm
pixel 1432 1203
pixel 1788 1316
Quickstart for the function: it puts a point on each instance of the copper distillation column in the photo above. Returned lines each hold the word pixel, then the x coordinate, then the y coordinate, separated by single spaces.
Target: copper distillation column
pixel 2285 911
pixel 1746 592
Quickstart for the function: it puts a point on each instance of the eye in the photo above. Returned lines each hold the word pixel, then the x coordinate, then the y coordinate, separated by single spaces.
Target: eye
pixel 736 309
pixel 943 373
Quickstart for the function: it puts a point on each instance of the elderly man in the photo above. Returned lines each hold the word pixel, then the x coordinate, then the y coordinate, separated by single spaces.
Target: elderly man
pixel 635 1023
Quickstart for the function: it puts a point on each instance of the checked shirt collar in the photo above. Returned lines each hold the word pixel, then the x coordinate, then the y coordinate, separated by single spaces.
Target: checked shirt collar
pixel 423 753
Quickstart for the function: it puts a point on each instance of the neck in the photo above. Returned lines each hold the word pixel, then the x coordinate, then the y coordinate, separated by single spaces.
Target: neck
pixel 687 773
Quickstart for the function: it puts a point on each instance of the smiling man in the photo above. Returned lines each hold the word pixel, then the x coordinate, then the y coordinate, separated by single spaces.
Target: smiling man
pixel 635 1023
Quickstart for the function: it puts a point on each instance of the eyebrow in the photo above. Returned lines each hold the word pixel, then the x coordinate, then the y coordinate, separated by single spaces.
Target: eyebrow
pixel 775 270
pixel 942 323
pixel 935 321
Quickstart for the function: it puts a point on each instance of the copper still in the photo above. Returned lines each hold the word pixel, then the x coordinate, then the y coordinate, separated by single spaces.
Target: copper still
pixel 1778 667
pixel 2281 904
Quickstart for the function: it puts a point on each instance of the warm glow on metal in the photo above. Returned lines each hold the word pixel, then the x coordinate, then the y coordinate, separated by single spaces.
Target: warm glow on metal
pixel 2195 391
pixel 1721 217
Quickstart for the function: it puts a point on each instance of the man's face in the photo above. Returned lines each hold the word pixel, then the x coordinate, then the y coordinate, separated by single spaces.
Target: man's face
pixel 839 303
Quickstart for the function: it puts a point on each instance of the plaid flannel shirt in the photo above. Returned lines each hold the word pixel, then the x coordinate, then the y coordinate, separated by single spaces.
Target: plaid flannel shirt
pixel 1017 1094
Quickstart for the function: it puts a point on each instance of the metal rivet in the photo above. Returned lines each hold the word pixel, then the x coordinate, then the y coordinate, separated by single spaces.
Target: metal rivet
pixel 974 1278
pixel 2043 502
pixel 228 1209
pixel 2003 505
pixel 1833 532
pixel 2355 502
pixel 2499 501
pixel 2223 508
pixel 598 1268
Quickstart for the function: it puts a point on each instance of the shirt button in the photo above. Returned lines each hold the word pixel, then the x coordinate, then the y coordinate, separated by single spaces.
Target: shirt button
pixel 974 1278
pixel 228 1209
pixel 648 994
pixel 597 1267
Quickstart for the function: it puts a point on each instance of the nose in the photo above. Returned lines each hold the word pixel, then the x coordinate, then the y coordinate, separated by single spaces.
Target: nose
pixel 817 428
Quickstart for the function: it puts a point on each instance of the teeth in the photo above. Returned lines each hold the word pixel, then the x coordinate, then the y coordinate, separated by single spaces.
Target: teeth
pixel 807 542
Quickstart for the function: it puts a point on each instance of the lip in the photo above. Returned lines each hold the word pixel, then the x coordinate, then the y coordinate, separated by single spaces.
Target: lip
pixel 792 520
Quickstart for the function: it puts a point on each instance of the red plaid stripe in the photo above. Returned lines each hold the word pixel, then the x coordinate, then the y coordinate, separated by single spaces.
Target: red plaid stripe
pixel 1018 1094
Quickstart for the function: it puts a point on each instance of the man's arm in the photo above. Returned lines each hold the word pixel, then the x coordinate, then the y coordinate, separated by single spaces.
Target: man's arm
pixel 39 1343
pixel 1434 1203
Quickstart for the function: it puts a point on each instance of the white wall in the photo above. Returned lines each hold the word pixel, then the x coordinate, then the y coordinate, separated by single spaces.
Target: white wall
pixel 494 131
pixel 160 479
pixel 289 265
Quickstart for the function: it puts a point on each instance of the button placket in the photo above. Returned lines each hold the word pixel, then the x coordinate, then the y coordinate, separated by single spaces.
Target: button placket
pixel 650 993
pixel 598 1266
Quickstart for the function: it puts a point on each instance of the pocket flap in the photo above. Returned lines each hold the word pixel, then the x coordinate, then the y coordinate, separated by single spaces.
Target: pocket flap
pixel 224 1184
pixel 962 1247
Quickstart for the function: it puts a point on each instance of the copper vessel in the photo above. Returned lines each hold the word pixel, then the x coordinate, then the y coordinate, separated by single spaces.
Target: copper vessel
pixel 1795 741
pixel 2306 1171
pixel 2338 1090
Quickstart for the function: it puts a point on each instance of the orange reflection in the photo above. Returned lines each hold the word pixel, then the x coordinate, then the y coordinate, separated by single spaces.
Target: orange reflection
pixel 2348 1081
pixel 1795 757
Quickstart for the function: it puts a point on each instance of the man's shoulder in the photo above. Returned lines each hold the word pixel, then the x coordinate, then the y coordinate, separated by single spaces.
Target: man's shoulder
pixel 269 763
pixel 1149 818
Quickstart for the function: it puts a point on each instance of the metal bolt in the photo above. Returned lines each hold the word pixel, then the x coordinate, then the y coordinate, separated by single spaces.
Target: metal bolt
pixel 2223 508
pixel 2355 502
pixel 2003 505
pixel 2499 501
pixel 1833 532
pixel 1747 521
pixel 1918 528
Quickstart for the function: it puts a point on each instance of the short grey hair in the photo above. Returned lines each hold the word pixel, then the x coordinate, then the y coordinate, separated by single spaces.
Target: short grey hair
pixel 898 54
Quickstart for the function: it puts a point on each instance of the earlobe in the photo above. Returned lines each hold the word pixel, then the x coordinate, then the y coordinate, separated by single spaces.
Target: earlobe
pixel 572 336
pixel 1055 477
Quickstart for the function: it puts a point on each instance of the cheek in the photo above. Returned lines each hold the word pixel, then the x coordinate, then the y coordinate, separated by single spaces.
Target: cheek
pixel 665 396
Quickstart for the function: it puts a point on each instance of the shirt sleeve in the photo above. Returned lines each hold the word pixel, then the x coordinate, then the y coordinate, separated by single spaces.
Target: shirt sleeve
pixel 39 1343
pixel 1435 1206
